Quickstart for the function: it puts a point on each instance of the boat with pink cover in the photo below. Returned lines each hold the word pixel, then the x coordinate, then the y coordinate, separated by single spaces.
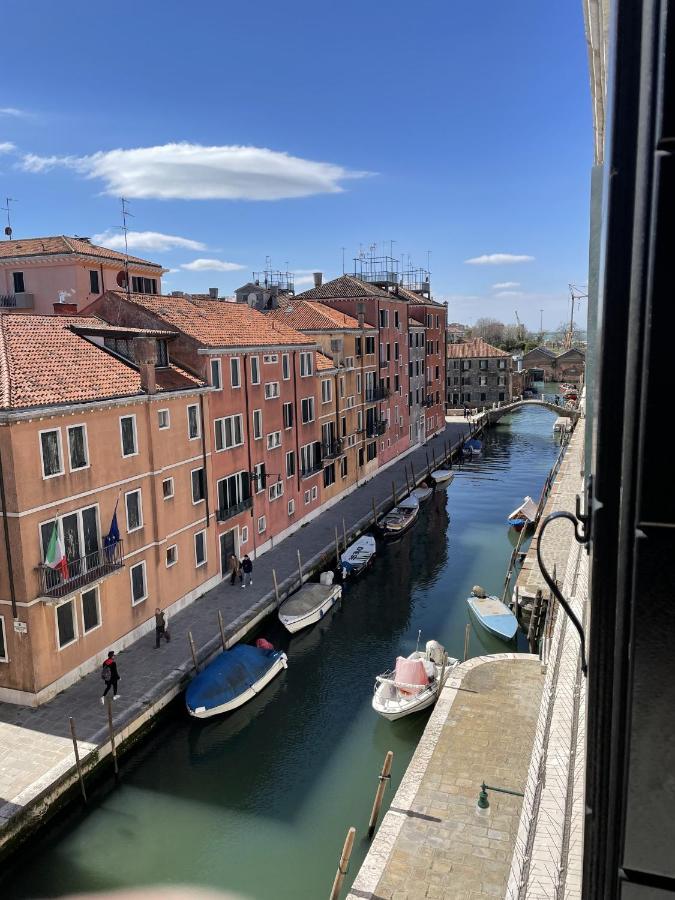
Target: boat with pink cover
pixel 414 684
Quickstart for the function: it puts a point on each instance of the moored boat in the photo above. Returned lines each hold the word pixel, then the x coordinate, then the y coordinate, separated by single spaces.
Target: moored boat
pixel 358 556
pixel 473 447
pixel 492 614
pixel 414 684
pixel 400 519
pixel 308 605
pixel 233 678
pixel 421 494
pixel 442 477
pixel 523 515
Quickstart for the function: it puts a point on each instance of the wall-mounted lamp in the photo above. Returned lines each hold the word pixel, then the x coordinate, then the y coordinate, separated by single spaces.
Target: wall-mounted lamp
pixel 483 804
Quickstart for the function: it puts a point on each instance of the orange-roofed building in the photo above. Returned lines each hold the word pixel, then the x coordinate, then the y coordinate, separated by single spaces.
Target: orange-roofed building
pixel 264 430
pixel 85 413
pixel 38 273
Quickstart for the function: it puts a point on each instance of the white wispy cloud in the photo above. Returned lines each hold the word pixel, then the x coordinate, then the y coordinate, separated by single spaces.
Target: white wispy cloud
pixel 211 265
pixel 13 112
pixel 146 240
pixel 183 171
pixel 498 259
pixel 509 294
pixel 505 285
pixel 7 147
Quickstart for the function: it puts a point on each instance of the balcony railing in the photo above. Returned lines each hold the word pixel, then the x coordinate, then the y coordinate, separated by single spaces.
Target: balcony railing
pixel 378 393
pixel 384 363
pixel 308 471
pixel 8 300
pixel 81 572
pixel 228 512
pixel 331 449
pixel 375 429
pixel 22 300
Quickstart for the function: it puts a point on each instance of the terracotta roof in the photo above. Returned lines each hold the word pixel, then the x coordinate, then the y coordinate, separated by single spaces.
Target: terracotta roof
pixel 43 362
pixel 475 349
pixel 571 350
pixel 53 246
pixel 417 300
pixel 346 286
pixel 308 315
pixel 324 363
pixel 217 323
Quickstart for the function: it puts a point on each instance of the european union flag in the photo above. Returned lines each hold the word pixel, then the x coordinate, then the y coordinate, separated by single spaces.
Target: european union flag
pixel 113 535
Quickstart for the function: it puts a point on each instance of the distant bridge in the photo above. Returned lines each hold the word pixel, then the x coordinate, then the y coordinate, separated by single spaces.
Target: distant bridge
pixel 548 401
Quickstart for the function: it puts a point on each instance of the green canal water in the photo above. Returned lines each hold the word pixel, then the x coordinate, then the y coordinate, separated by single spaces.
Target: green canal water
pixel 259 802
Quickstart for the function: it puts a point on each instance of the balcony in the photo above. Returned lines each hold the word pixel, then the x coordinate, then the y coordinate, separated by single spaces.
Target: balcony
pixel 378 393
pixel 81 572
pixel 376 429
pixel 308 471
pixel 331 449
pixel 384 363
pixel 229 512
pixel 21 300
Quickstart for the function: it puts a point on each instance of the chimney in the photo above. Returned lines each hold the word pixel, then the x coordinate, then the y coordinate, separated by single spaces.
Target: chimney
pixel 318 279
pixel 65 309
pixel 145 354
pixel 213 293
pixel 362 320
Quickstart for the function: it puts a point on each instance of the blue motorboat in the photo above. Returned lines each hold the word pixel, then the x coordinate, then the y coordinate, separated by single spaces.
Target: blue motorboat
pixel 232 679
pixel 492 614
pixel 473 447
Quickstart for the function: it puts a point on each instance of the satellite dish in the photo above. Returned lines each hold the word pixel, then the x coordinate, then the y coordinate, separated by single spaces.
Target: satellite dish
pixel 8 231
pixel 122 278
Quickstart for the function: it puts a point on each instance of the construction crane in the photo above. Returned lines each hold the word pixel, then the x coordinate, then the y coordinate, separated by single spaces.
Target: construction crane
pixel 521 328
pixel 576 296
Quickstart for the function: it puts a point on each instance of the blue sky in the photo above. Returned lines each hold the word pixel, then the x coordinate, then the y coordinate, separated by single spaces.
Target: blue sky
pixel 294 129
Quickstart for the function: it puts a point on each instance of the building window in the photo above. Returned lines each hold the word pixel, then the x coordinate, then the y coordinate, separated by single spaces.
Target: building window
pixel 482 363
pixel 306 367
pixel 19 286
pixel 257 424
pixel 260 477
pixel 244 535
pixel 308 410
pixel 343 467
pixel 501 380
pixel 229 432
pixel 466 363
pixel 370 346
pixel 326 391
pixel 143 285
pixel 358 346
pixel 271 390
pixel 194 425
pixel 315 492
pixel 501 363
pixel 285 366
pixel 50 445
pixel 273 440
pixel 255 370
pixel 275 490
pixel 198 485
pixel 291 507
pixel 308 497
pixel 358 382
pixel 163 418
pixel 329 475
pixel 134 507
pixel 482 396
pixel 171 556
pixel 397 321
pixel 288 415
pixel 482 380
pixel 262 524
pixel 139 591
pixel 371 451
pixel 200 549
pixel 77 447
pixel 384 318
pixel 3 641
pixel 341 382
pixel 91 610
pixel 270 358
pixel 235 372
pixel 290 464
pixel 343 426
pixel 501 395
pixel 93 282
pixel 66 628
pixel 233 490
pixel 167 488
pixel 216 374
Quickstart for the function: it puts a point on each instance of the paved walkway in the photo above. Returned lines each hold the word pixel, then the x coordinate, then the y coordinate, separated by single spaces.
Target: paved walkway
pixel 432 842
pixel 35 744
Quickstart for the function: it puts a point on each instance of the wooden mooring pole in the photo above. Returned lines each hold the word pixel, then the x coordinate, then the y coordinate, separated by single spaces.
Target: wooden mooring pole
pixel 192 648
pixel 337 549
pixel 111 731
pixel 276 586
pixel 412 473
pixel 393 491
pixel 433 453
pixel 374 512
pixel 343 864
pixel 384 777
pixel 77 759
pixel 222 629
pixel 407 486
pixel 428 466
pixel 300 568
pixel 467 636
pixel 344 532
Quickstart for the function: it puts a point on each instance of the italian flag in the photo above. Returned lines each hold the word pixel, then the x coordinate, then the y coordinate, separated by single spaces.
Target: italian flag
pixel 56 555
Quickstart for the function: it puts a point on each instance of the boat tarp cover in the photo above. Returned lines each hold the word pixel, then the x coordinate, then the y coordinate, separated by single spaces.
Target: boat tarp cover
pixel 358 552
pixel 410 671
pixel 474 444
pixel 229 675
pixel 308 598
pixel 527 510
pixel 409 503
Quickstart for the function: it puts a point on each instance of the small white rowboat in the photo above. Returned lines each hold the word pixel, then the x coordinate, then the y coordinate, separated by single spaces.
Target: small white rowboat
pixel 414 684
pixel 308 605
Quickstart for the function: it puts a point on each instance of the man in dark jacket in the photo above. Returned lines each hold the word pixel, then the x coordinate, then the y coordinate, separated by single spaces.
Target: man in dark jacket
pixel 110 675
pixel 160 627
pixel 247 569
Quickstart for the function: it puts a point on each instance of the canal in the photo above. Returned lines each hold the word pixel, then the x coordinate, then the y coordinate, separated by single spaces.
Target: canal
pixel 259 802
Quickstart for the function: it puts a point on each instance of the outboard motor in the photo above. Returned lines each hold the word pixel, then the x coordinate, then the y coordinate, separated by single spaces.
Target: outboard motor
pixel 478 591
pixel 435 652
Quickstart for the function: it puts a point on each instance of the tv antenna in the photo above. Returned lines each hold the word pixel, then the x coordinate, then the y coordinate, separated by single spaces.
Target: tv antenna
pixel 8 227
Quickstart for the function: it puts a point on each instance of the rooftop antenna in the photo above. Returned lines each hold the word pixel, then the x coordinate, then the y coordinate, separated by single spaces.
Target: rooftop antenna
pixel 125 229
pixel 428 260
pixel 391 247
pixel 343 259
pixel 8 229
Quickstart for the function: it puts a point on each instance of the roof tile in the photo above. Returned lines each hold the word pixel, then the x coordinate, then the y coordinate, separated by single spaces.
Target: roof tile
pixel 60 244
pixel 474 349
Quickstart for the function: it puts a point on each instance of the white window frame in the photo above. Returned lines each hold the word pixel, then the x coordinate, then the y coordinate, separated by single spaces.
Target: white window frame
pixel 237 360
pixel 257 366
pixel 60 445
pixel 168 419
pixel 216 363
pixel 313 411
pixel 145 582
pixel 291 507
pixel 168 496
pixel 290 453
pixel 168 564
pixel 3 631
pixel 315 493
pixel 96 590
pixel 192 493
pixel 198 564
pixel 262 524
pixel 199 421
pixel 326 395
pixel 288 427
pixel 273 440
pixel 243 536
pixel 308 498
pixel 140 509
pixel 285 366
pixel 272 390
pixel 257 420
pixel 76 637
pixel 270 358
pixel 306 364
pixel 131 416
pixel 223 420
pixel 275 490
pixel 70 428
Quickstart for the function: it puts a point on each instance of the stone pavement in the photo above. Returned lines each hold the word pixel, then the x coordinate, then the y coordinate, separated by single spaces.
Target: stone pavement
pixel 432 842
pixel 36 753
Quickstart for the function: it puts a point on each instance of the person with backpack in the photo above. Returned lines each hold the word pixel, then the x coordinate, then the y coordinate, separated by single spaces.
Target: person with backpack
pixel 161 627
pixel 247 569
pixel 110 676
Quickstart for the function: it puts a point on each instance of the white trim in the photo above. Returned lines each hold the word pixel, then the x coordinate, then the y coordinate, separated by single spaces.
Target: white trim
pixel 145 583
pixel 275 394
pixel 262 519
pixel 168 419
pixel 198 564
pixel 257 362
pixel 243 537
pixel 42 459
pixel 192 492
pixel 95 589
pixel 237 359
pixel 212 360
pixel 172 494
pixel 166 556
pixel 131 416
pixel 304 421
pixel 188 407
pixel 286 356
pixel 70 428
pixel 257 437
pixel 59 645
pixel 271 445
pixel 140 509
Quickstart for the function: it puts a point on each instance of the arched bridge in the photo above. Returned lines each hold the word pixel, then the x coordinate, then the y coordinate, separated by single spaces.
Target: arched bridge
pixel 548 401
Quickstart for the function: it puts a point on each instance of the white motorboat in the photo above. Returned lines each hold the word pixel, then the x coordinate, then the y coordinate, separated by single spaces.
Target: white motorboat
pixel 308 605
pixel 400 519
pixel 414 684
pixel 442 477
pixel 492 614
pixel 421 494
pixel 358 556
pixel 523 515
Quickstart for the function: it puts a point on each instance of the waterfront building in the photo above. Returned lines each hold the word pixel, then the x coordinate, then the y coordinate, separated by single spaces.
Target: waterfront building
pixel 478 374
pixel 416 387
pixel 264 424
pixel 38 273
pixel 547 365
pixel 96 421
pixel 455 332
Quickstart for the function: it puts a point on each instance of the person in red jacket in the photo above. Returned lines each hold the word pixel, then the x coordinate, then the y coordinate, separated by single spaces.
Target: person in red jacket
pixel 110 675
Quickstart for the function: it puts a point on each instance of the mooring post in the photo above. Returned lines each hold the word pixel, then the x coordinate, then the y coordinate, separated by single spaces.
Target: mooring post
pixel 111 730
pixel 343 864
pixel 374 512
pixel 384 777
pixel 222 629
pixel 433 453
pixel 344 532
pixel 393 491
pixel 337 549
pixel 412 473
pixel 407 486
pixel 467 635
pixel 276 586
pixel 192 648
pixel 428 466
pixel 300 568
pixel 77 759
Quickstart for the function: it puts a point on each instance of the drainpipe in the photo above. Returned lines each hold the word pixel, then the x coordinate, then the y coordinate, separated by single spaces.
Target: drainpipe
pixel 8 548
pixel 297 424
pixel 206 476
pixel 247 412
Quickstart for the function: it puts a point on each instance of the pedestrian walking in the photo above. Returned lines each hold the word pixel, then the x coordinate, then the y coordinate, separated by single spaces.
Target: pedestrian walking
pixel 235 569
pixel 110 676
pixel 161 627
pixel 247 570
pixel 465 410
